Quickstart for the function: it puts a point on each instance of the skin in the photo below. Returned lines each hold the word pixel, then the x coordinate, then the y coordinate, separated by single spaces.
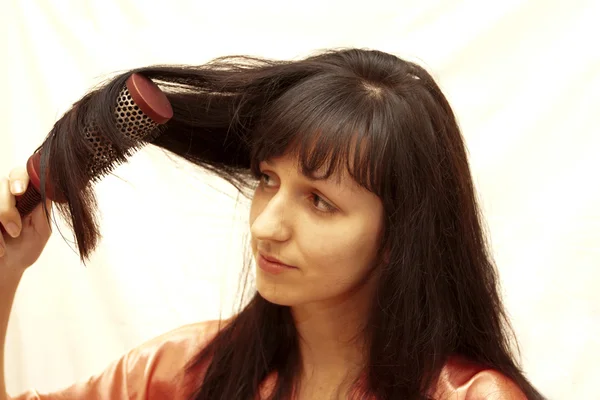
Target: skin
pixel 25 238
pixel 329 230
pixel 19 248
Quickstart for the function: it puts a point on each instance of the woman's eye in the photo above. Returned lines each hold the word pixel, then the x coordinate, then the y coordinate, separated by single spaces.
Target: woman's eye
pixel 321 205
pixel 265 179
pixel 318 203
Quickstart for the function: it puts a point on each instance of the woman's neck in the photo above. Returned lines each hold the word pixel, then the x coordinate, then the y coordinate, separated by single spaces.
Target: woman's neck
pixel 331 335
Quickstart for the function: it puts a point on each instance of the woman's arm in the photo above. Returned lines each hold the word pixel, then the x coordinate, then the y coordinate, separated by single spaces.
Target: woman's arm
pixel 9 281
pixel 155 369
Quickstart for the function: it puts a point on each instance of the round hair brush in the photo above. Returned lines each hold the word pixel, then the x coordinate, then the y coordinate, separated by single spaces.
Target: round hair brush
pixel 140 109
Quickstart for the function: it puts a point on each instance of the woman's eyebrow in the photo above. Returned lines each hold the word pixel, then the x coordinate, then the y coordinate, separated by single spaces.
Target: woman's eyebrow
pixel 311 177
pixel 335 178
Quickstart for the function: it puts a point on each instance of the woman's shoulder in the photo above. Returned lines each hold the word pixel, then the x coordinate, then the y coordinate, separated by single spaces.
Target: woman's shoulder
pixel 462 379
pixel 158 365
pixel 167 355
pixel 152 370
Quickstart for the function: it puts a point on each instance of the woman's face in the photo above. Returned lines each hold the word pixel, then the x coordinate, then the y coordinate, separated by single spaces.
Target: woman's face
pixel 327 230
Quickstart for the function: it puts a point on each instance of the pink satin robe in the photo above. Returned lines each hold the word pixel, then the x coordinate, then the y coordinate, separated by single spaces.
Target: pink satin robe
pixel 153 371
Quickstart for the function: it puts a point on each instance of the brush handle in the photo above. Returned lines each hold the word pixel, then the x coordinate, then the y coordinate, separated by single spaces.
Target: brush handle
pixel 26 203
pixel 29 200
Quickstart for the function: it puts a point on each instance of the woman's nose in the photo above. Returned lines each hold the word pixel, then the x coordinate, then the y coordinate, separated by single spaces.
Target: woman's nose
pixel 271 222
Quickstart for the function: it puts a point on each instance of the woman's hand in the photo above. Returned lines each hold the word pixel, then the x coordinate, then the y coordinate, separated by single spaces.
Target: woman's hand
pixel 22 240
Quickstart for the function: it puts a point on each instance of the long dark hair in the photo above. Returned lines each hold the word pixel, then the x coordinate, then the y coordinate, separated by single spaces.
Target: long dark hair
pixel 387 122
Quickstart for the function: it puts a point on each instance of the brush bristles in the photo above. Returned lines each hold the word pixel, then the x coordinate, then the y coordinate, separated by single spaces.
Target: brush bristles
pixel 100 170
pixel 136 127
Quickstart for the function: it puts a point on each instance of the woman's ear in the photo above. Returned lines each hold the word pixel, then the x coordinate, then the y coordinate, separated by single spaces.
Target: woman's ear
pixel 386 255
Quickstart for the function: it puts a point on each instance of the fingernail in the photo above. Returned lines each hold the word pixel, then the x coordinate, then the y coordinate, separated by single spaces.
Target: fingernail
pixel 12 229
pixel 17 187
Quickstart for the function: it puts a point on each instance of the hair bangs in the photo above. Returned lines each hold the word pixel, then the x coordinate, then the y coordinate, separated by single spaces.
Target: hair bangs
pixel 331 126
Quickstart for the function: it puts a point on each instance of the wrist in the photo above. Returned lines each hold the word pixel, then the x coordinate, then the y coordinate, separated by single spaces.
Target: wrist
pixel 10 279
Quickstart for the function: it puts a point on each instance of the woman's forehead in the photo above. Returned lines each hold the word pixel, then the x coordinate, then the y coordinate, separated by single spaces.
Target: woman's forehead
pixel 340 178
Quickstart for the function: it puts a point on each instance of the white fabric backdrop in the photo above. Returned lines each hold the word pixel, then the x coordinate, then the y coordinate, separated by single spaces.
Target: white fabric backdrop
pixel 524 80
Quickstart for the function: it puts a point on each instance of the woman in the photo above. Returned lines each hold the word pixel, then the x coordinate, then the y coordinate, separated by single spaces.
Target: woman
pixel 373 278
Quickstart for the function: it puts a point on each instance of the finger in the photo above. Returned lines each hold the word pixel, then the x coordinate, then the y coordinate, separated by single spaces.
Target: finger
pixel 9 215
pixel 19 180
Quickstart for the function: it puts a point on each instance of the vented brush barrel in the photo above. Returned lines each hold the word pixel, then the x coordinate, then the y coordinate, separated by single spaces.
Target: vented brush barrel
pixel 140 109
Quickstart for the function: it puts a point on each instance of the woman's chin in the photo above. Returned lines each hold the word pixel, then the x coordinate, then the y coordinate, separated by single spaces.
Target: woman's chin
pixel 276 293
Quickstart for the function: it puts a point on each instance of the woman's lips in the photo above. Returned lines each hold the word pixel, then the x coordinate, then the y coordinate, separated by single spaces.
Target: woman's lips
pixel 272 265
